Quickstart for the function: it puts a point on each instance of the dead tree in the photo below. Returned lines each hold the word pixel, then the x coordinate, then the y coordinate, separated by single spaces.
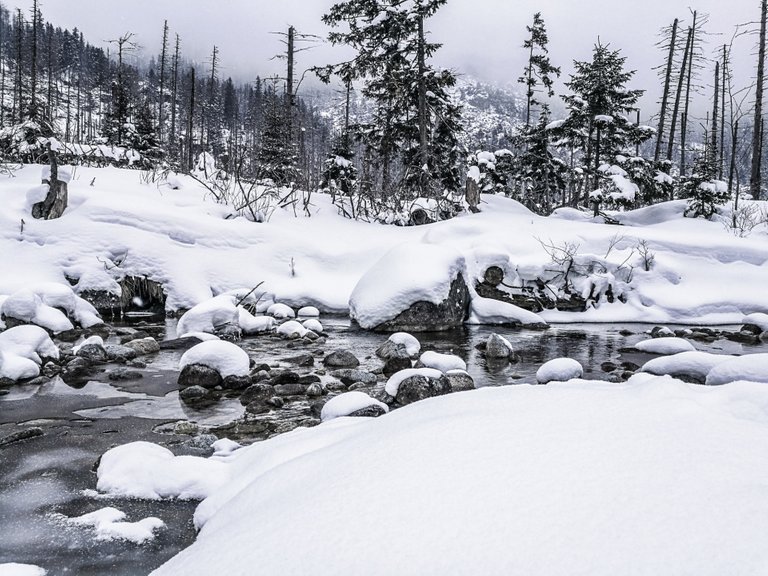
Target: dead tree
pixel 665 96
pixel 757 148
pixel 55 201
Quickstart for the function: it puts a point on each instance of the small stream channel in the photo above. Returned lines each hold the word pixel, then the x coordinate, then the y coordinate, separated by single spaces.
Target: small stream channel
pixel 51 476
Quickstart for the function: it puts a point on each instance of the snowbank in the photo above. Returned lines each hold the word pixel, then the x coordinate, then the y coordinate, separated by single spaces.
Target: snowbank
pixel 547 502
pixel 753 368
pixel 226 358
pixel 489 311
pixel 407 274
pixel 22 350
pixel 693 364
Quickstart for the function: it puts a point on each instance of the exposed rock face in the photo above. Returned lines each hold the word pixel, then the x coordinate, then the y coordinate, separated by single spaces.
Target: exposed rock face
pixel 373 411
pixel 460 381
pixel 429 317
pixel 349 376
pixel 196 395
pixel 93 353
pixel 144 346
pixel 420 387
pixel 341 359
pixel 497 348
pixel 199 375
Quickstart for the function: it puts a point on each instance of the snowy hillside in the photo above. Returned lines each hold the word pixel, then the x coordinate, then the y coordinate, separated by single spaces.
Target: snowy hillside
pixel 696 270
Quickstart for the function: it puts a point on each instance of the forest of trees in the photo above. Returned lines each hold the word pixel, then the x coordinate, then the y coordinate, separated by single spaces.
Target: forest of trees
pixel 584 148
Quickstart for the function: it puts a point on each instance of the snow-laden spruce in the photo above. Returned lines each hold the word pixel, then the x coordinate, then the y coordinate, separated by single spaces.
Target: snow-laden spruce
pixel 619 509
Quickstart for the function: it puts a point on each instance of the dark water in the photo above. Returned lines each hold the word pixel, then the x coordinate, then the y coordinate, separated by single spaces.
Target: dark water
pixel 46 478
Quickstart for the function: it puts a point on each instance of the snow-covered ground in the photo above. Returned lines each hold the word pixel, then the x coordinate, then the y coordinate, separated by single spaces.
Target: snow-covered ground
pixel 649 477
pixel 182 239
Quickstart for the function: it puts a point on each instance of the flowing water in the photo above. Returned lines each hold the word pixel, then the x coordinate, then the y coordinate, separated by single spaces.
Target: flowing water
pixel 45 479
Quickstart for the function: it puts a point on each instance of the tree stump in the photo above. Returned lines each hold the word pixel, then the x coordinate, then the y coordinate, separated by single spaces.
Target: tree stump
pixel 472 195
pixel 55 201
pixel 493 276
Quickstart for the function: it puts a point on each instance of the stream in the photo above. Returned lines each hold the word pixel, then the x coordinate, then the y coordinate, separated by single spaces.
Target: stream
pixel 51 476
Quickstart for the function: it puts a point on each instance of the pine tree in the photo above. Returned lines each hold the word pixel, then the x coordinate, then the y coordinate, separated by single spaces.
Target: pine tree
pixel 598 107
pixel 539 69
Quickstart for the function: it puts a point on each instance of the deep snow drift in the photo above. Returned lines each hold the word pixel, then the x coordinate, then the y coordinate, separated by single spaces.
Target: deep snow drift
pixel 649 477
pixel 180 238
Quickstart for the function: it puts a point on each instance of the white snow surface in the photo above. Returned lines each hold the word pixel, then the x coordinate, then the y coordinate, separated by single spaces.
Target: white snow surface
pixel 752 367
pixel 559 370
pixel 292 329
pixel 667 345
pixel 15 569
pixel 490 311
pixel 696 364
pixel 443 362
pixel 758 319
pixel 314 325
pixel 583 477
pixel 183 240
pixel 22 349
pixel 348 402
pixel 281 311
pixel 407 274
pixel 226 358
pixel 41 304
pixel 110 524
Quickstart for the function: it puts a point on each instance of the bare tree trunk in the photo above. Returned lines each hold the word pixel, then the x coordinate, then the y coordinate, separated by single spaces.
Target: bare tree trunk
pixel 422 86
pixel 684 122
pixel 721 159
pixel 55 201
pixel 161 100
pixel 190 125
pixel 665 97
pixel 715 107
pixel 757 149
pixel 289 97
pixel 174 96
pixel 732 168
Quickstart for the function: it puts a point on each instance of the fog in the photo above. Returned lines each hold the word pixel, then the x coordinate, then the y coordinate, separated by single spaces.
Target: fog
pixel 482 38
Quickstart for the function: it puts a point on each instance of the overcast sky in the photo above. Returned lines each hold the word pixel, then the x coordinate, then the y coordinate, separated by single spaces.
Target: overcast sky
pixel 479 37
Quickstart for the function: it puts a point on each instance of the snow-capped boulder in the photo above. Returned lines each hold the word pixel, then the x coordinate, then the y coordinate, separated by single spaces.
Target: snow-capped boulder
pixel 210 315
pixel 281 311
pixel 352 404
pixel 225 358
pixel 665 345
pixel 442 362
pixel 251 324
pixel 292 329
pixel 399 345
pixel 341 359
pixel 498 348
pixel 414 287
pixel 42 304
pixel 148 345
pixel 499 313
pixel 559 370
pixel 314 325
pixel 752 367
pixel 308 312
pixel 414 384
pixel 756 323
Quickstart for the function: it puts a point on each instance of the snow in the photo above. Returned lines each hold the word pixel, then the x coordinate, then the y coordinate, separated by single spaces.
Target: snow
pixel 22 349
pixel 109 524
pixel 489 311
pixel 226 358
pixel 281 311
pixel 442 362
pixel 120 227
pixel 559 370
pixel 753 368
pixel 347 403
pixel 251 324
pixel 757 319
pixel 90 341
pixel 393 384
pixel 151 472
pixel 572 508
pixel 409 341
pixel 14 569
pixel 308 312
pixel 314 325
pixel 292 329
pixel 695 364
pixel 407 274
pixel 667 345
pixel 209 315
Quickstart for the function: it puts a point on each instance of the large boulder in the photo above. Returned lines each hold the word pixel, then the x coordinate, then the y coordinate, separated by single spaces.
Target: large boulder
pixel 414 287
pixel 414 384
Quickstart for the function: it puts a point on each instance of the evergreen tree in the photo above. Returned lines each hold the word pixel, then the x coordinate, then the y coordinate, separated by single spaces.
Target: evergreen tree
pixel 539 69
pixel 597 109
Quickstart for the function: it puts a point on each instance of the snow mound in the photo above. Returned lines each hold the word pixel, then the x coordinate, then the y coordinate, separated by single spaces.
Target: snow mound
pixel 495 312
pixel 22 350
pixel 347 403
pixel 559 370
pixel 753 368
pixel 407 274
pixel 668 345
pixel 442 362
pixel 393 384
pixel 251 324
pixel 281 311
pixel 308 312
pixel 693 364
pixel 314 325
pixel 42 304
pixel 110 525
pixel 14 569
pixel 226 358
pixel 209 315
pixel 419 467
pixel 292 329
pixel 90 341
pixel 151 472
